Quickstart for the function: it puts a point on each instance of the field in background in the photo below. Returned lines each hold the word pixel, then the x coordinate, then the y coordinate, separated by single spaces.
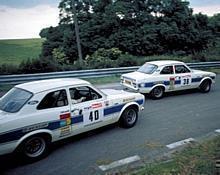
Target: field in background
pixel 16 50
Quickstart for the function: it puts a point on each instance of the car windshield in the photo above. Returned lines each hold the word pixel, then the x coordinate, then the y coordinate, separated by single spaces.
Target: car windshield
pixel 14 100
pixel 147 68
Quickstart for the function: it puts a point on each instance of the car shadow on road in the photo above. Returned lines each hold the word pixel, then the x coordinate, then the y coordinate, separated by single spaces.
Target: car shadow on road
pixel 12 161
pixel 176 93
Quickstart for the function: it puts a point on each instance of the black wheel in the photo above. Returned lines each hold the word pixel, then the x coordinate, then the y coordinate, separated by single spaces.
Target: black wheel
pixel 129 117
pixel 34 148
pixel 205 86
pixel 157 92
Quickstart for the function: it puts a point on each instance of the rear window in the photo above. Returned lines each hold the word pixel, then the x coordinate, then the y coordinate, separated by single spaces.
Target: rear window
pixel 147 68
pixel 14 100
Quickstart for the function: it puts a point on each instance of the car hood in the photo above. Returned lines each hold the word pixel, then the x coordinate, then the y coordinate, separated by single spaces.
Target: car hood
pixel 2 115
pixel 117 93
pixel 136 75
pixel 203 72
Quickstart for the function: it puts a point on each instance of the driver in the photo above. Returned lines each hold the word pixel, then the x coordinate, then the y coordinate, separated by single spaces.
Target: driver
pixel 76 97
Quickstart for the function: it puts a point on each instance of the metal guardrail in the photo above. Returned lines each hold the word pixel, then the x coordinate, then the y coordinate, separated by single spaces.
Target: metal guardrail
pixel 21 78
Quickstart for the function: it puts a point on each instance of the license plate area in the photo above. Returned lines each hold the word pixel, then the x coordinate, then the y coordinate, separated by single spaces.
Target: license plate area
pixel 127 82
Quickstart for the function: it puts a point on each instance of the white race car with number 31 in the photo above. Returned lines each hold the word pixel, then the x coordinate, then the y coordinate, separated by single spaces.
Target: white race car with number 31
pixel 32 115
pixel 157 77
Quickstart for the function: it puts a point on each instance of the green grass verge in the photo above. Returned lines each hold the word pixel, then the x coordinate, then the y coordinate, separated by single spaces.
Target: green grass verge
pixel 17 50
pixel 195 159
pixel 104 80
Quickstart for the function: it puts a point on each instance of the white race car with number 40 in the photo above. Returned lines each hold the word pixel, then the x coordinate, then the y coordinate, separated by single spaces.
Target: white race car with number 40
pixel 157 77
pixel 32 115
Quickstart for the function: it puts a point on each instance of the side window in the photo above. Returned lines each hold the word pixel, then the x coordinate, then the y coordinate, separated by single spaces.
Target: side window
pixel 181 69
pixel 82 94
pixel 54 99
pixel 167 70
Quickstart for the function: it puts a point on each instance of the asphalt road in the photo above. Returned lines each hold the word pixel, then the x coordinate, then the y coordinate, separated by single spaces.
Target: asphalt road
pixel 188 114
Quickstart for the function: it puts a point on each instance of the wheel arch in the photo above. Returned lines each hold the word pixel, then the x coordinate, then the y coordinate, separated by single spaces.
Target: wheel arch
pixel 205 79
pixel 44 132
pixel 128 105
pixel 158 85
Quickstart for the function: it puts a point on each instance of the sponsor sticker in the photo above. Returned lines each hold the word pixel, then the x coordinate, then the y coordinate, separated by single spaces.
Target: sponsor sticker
pixel 34 127
pixel 106 103
pixel 65 131
pixel 87 108
pixel 172 83
pixel 186 76
pixel 96 105
pixel 65 116
pixel 206 75
pixel 33 102
pixel 158 82
pixel 128 99
pixel 65 120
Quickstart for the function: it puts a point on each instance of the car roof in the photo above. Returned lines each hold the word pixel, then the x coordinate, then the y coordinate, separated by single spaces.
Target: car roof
pixel 44 85
pixel 165 62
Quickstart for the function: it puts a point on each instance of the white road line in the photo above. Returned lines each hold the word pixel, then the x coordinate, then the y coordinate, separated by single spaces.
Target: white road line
pixel 217 130
pixel 179 143
pixel 119 163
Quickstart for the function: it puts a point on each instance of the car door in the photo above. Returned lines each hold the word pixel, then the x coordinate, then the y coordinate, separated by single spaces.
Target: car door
pixel 167 75
pixel 54 111
pixel 87 108
pixel 183 77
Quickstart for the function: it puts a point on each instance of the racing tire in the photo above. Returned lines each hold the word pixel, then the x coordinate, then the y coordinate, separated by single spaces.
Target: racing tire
pixel 157 93
pixel 129 117
pixel 34 148
pixel 205 86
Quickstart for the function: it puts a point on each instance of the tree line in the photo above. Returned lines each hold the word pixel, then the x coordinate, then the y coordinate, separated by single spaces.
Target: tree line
pixel 117 33
pixel 137 27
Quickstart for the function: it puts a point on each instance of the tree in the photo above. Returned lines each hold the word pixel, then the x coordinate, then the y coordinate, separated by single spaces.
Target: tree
pixel 139 27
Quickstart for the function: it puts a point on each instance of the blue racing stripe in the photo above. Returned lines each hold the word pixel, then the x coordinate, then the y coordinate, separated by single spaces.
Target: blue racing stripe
pixel 113 109
pixel 166 83
pixel 178 82
pixel 77 119
pixel 151 84
pixel 140 102
pixel 20 132
pixel 194 80
pixel 118 108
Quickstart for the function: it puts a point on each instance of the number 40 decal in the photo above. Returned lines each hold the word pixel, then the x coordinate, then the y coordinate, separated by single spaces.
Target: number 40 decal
pixel 94 115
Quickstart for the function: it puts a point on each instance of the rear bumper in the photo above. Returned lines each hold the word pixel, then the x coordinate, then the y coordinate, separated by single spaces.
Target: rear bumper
pixel 130 87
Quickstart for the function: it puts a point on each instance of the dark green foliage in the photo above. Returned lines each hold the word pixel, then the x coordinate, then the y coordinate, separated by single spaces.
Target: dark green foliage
pixel 8 69
pixel 139 27
pixel 38 66
pixel 116 33
pixel 107 58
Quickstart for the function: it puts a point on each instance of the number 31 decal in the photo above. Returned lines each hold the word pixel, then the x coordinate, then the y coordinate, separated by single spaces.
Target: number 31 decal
pixel 94 116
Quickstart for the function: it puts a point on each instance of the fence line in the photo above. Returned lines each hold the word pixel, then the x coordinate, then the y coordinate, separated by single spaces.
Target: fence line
pixel 21 78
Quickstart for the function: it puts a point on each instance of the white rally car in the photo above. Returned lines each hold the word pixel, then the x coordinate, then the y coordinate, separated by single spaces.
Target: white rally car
pixel 157 77
pixel 32 115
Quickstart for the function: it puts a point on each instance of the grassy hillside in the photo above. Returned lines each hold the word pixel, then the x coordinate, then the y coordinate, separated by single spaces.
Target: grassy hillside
pixel 14 51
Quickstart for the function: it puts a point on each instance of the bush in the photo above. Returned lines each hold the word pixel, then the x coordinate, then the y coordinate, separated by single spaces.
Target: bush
pixel 39 66
pixel 127 60
pixel 6 69
pixel 108 58
pixel 200 57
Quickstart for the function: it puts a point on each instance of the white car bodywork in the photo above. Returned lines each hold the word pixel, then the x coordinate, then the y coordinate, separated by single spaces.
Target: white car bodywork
pixel 173 81
pixel 66 120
